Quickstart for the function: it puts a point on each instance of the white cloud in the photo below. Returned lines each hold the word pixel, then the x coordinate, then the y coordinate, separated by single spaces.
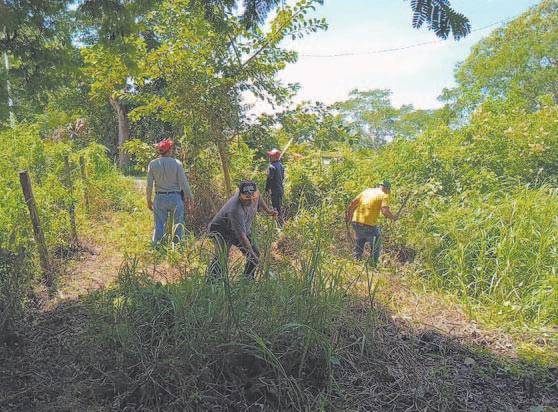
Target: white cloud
pixel 359 29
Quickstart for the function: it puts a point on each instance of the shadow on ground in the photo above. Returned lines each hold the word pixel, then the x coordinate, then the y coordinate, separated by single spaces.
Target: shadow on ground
pixel 54 361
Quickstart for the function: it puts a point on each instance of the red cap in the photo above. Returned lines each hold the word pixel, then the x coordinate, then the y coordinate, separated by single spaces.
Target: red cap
pixel 164 146
pixel 274 152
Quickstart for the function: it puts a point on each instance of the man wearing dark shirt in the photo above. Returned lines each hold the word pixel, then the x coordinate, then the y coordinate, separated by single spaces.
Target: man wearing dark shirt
pixel 274 182
pixel 232 226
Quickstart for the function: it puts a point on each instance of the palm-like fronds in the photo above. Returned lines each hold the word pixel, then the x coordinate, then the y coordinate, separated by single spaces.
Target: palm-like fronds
pixel 440 17
pixel 255 11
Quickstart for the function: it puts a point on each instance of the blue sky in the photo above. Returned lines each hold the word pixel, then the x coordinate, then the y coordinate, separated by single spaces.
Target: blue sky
pixel 361 29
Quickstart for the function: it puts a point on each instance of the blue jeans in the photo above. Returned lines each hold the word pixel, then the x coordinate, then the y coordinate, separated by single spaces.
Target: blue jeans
pixel 366 233
pixel 163 205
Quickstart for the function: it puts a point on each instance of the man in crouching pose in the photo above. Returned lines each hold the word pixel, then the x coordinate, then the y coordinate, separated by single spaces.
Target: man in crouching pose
pixel 232 226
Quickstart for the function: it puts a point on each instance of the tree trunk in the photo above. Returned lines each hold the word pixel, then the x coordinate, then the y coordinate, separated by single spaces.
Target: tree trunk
pixel 123 130
pixel 217 132
pixel 225 166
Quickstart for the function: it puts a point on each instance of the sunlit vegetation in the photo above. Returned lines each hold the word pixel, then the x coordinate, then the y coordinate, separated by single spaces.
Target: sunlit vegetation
pixel 316 330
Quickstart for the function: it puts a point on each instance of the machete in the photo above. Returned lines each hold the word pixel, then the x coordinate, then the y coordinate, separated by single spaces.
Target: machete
pixel 286 147
pixel 403 204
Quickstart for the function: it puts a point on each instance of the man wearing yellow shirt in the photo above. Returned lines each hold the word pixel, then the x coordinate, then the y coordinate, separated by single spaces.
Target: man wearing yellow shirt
pixel 363 211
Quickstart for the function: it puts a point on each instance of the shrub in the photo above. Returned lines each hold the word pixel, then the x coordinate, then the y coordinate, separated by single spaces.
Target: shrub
pixel 15 276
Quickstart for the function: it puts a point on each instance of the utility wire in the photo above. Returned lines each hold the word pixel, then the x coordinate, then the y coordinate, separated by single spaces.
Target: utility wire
pixel 404 47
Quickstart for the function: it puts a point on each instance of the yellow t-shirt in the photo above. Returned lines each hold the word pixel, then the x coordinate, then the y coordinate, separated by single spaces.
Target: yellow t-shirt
pixel 368 209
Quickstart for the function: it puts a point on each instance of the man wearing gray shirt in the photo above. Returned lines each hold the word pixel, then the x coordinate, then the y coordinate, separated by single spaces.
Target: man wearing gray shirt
pixel 232 226
pixel 167 175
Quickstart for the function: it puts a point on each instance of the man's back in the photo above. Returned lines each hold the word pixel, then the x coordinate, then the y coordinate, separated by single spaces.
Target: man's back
pixel 275 176
pixel 371 202
pixel 168 175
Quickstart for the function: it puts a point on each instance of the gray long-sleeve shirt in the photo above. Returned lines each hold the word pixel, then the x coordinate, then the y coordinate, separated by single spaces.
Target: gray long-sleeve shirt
pixel 168 175
pixel 234 217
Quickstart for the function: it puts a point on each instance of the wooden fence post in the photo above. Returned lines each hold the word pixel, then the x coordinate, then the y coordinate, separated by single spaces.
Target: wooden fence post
pixel 39 238
pixel 69 187
pixel 85 182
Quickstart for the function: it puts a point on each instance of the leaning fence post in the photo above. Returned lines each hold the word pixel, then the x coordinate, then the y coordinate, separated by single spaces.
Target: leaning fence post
pixel 39 238
pixel 69 186
pixel 85 183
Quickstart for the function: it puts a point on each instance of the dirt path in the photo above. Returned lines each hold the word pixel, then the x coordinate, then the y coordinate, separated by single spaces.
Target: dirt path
pixel 428 310
pixel 98 267
pixel 93 269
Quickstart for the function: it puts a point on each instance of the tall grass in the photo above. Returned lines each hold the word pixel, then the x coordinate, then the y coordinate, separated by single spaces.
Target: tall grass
pixel 16 273
pixel 483 215
pixel 496 249
pixel 44 161
pixel 275 332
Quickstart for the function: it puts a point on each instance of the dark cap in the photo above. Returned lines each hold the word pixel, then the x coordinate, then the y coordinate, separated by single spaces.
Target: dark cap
pixel 385 183
pixel 247 187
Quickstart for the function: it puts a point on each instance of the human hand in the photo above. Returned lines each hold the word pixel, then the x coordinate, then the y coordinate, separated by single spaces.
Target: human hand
pixel 273 213
pixel 150 204
pixel 191 204
pixel 268 192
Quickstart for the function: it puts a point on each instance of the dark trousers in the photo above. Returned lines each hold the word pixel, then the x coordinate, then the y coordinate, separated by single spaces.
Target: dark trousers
pixel 277 203
pixel 223 243
pixel 367 233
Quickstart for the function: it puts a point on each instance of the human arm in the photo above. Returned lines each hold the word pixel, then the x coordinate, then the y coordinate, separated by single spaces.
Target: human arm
pixel 149 187
pixel 351 209
pixel 263 205
pixel 185 186
pixel 388 213
pixel 245 243
pixel 269 180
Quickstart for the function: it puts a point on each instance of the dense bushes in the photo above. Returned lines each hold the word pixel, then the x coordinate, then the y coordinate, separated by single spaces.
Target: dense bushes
pixel 23 149
pixel 482 216
pixel 501 147
pixel 103 189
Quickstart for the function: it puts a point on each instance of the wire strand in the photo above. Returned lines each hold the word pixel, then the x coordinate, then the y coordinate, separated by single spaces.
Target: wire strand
pixel 399 48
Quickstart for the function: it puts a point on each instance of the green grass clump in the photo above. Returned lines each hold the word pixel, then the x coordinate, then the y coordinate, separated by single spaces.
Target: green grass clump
pixel 281 330
pixel 495 249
